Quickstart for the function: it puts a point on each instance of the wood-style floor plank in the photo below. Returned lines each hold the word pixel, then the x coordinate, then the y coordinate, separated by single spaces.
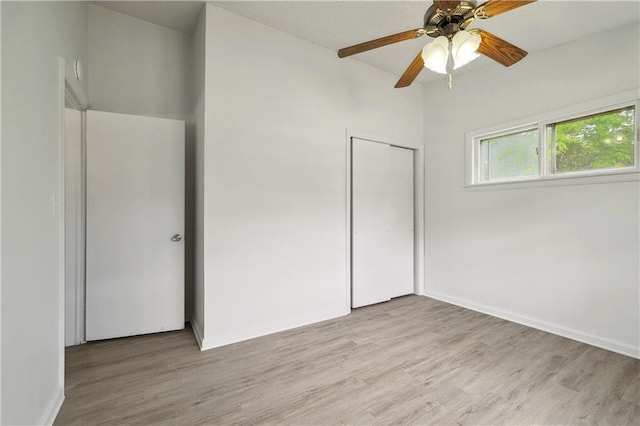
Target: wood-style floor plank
pixel 412 360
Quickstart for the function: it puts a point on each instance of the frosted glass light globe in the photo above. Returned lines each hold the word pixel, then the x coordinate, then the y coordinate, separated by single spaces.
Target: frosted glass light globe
pixel 464 46
pixel 436 54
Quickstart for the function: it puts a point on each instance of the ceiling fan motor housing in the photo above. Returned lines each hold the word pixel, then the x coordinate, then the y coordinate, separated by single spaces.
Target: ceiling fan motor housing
pixel 438 22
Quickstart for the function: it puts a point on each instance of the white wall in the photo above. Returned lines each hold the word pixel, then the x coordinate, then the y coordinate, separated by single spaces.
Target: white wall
pixel 196 161
pixel 564 258
pixel 34 35
pixel 138 67
pixel 277 109
pixel 144 69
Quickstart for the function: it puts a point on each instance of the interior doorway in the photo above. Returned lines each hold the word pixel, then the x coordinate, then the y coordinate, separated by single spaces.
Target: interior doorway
pixel 385 219
pixel 382 222
pixel 74 227
pixel 74 195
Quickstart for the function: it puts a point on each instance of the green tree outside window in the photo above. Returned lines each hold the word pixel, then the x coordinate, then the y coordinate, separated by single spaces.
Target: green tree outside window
pixel 602 141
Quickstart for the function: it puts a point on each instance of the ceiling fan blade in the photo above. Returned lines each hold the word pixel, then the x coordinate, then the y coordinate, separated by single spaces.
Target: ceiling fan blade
pixel 412 72
pixel 444 5
pixel 379 42
pixel 499 50
pixel 497 7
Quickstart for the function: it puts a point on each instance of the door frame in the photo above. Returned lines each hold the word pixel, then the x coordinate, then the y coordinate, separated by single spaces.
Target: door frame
pixel 71 95
pixel 418 208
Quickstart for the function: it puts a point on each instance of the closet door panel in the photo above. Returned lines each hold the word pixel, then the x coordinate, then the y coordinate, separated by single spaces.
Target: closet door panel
pixel 401 236
pixel 370 218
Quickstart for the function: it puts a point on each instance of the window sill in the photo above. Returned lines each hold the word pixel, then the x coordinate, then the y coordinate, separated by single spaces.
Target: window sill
pixel 559 180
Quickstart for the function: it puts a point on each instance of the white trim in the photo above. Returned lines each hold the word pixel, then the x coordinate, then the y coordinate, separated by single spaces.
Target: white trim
pixel 559 180
pixel 61 220
pixel 75 98
pixel 53 408
pixel 0 215
pixel 264 331
pixel 81 253
pixel 198 334
pixel 383 139
pixel 418 213
pixel 348 218
pixel 541 121
pixel 559 330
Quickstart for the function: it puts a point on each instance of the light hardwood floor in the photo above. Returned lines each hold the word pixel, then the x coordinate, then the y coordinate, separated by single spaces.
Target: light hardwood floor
pixel 413 360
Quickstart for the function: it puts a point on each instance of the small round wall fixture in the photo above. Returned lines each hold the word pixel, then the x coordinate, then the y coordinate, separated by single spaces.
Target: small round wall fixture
pixel 77 69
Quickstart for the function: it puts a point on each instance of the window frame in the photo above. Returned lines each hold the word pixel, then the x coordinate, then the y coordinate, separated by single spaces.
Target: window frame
pixel 478 168
pixel 542 122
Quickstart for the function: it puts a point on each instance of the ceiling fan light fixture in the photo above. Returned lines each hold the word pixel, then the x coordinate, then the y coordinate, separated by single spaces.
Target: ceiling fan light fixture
pixel 463 47
pixel 436 54
pixel 453 46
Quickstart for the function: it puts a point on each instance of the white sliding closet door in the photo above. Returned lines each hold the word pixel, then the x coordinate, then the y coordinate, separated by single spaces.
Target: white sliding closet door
pixel 135 223
pixel 370 214
pixel 382 222
pixel 401 242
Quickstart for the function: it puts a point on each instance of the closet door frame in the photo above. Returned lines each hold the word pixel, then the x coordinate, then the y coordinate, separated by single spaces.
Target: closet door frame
pixel 418 213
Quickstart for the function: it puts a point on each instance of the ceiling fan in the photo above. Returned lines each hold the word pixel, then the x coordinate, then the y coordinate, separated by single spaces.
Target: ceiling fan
pixel 454 46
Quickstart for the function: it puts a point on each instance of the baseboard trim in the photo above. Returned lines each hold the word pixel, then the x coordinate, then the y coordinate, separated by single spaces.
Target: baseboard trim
pixel 590 339
pixel 197 332
pixel 53 408
pixel 252 334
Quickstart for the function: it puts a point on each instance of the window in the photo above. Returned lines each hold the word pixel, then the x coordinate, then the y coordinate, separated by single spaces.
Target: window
pixel 604 141
pixel 510 156
pixel 596 142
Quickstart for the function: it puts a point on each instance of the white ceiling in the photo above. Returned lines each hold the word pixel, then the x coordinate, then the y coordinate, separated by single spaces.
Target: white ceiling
pixel 336 24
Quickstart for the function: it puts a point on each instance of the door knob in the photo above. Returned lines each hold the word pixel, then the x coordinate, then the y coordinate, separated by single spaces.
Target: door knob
pixel 176 238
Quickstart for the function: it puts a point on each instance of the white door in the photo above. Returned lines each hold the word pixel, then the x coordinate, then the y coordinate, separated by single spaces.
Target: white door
pixel 382 222
pixel 370 214
pixel 135 220
pixel 401 236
